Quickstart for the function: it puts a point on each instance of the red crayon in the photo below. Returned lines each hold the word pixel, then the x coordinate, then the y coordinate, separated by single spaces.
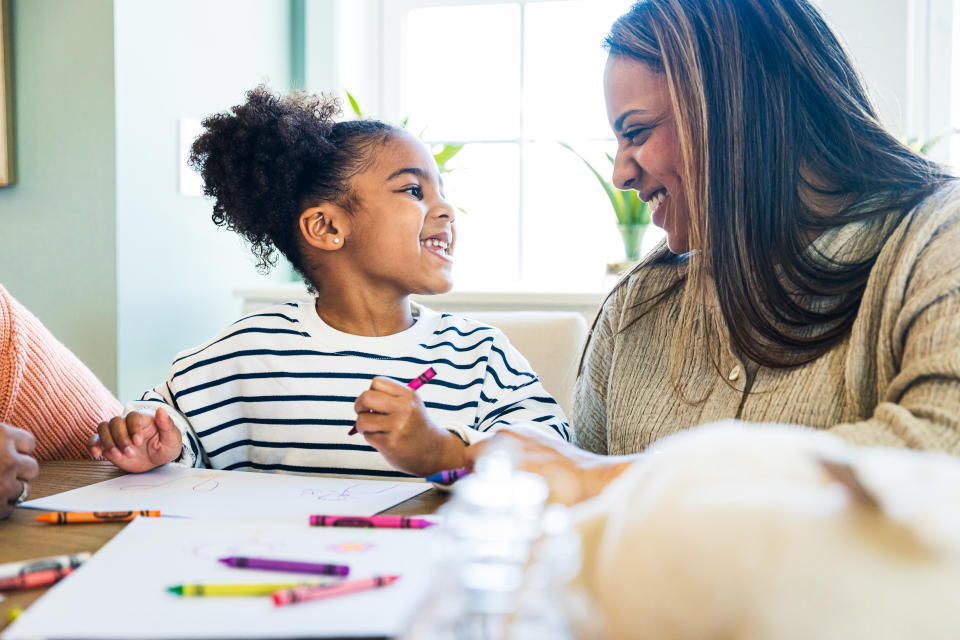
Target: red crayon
pixel 370 522
pixel 305 594
pixel 414 384
pixel 35 579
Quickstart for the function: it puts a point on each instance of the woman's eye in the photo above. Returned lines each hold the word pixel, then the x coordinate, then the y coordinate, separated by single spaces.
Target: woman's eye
pixel 637 136
pixel 415 190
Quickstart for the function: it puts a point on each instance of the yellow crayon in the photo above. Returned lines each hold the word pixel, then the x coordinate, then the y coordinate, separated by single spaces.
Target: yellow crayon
pixel 240 590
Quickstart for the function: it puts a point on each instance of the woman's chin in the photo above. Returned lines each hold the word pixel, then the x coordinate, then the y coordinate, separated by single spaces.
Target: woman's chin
pixel 677 244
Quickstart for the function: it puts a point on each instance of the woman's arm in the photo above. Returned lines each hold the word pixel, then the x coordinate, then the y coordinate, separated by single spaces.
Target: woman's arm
pixel 917 351
pixel 44 388
pixel 590 390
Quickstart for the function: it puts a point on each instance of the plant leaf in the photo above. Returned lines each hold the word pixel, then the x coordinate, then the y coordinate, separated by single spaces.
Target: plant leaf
pixel 354 105
pixel 446 153
pixel 930 143
pixel 617 201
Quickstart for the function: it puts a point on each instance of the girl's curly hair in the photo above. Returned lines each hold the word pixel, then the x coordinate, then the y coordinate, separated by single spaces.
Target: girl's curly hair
pixel 269 159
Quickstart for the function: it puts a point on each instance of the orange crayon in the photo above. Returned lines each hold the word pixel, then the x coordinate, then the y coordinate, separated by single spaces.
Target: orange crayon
pixel 35 579
pixel 78 517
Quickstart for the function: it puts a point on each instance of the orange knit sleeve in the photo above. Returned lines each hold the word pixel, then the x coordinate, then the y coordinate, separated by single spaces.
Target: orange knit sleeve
pixel 45 389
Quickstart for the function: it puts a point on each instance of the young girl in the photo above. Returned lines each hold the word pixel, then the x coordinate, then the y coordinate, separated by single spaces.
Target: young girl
pixel 358 209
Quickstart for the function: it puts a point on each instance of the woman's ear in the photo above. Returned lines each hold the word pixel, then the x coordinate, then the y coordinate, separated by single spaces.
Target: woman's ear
pixel 323 227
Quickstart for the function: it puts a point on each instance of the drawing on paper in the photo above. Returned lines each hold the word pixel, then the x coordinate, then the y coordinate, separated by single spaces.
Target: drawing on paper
pixel 353 491
pixel 351 547
pixel 202 483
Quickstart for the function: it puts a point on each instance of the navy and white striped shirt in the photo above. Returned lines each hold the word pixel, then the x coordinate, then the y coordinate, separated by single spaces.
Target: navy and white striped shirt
pixel 275 391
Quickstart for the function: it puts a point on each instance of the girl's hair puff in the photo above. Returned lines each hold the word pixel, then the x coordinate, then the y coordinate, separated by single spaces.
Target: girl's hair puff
pixel 270 158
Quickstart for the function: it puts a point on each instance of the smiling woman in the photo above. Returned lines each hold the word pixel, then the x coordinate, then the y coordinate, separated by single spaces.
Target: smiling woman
pixel 810 274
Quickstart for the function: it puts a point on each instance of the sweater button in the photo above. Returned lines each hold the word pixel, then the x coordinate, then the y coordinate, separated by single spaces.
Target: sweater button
pixel 734 373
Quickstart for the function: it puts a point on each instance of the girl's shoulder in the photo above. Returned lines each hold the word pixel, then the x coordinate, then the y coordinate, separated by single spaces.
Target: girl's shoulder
pixel 279 322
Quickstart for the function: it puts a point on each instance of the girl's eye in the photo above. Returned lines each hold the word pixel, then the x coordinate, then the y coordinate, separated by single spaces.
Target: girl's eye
pixel 415 190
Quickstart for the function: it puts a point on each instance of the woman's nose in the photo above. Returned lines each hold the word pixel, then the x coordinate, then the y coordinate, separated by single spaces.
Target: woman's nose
pixel 626 172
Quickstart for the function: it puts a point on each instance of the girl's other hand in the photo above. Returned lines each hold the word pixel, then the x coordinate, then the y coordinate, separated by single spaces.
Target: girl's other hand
pixel 392 418
pixel 138 442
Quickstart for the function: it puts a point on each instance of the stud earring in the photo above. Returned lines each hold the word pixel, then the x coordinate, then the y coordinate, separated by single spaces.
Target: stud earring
pixel 336 241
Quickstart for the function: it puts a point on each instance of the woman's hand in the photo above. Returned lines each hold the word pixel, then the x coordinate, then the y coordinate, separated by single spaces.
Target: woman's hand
pixel 138 442
pixel 17 466
pixel 571 473
pixel 392 418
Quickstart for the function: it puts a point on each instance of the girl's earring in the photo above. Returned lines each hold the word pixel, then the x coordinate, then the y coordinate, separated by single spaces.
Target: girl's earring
pixel 336 241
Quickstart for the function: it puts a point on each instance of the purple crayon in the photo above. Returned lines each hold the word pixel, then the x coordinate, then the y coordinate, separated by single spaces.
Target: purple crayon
pixel 287 565
pixel 449 476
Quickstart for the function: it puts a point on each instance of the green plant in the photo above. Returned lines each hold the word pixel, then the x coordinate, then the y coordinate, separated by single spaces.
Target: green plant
pixel 928 144
pixel 442 153
pixel 627 205
pixel 632 213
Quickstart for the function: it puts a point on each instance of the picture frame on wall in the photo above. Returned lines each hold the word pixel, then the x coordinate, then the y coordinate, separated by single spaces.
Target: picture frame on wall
pixel 7 164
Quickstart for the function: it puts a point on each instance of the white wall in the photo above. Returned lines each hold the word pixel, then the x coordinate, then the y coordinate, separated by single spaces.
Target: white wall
pixel 176 271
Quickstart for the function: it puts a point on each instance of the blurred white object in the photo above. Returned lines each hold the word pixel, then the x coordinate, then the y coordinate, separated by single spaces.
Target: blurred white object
pixel 770 531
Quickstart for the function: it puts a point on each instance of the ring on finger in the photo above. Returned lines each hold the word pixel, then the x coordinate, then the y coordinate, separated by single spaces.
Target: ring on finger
pixel 24 492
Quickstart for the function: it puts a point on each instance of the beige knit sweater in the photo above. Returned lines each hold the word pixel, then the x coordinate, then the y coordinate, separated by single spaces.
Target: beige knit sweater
pixel 45 389
pixel 895 380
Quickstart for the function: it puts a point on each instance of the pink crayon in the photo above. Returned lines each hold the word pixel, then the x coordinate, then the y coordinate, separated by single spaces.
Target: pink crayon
pixel 370 522
pixel 414 384
pixel 422 379
pixel 305 594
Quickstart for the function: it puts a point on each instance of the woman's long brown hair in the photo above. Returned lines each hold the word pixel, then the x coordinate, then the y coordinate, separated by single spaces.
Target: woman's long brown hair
pixel 771 116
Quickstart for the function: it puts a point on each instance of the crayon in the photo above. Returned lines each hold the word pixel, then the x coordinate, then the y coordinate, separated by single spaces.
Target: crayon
pixel 287 565
pixel 35 579
pixel 305 594
pixel 12 569
pixel 422 379
pixel 414 384
pixel 449 476
pixel 243 590
pixel 79 517
pixel 370 522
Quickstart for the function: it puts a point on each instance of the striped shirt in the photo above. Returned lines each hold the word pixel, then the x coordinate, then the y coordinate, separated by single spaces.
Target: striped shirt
pixel 275 391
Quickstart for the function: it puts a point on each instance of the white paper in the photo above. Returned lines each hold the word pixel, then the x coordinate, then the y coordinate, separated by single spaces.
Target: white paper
pixel 176 490
pixel 121 591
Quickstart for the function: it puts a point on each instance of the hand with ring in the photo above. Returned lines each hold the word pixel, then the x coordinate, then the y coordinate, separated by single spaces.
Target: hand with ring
pixel 17 467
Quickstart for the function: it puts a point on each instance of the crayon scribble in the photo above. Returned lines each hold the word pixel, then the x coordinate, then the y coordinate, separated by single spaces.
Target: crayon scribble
pixel 351 547
pixel 252 547
pixel 349 493
pixel 206 484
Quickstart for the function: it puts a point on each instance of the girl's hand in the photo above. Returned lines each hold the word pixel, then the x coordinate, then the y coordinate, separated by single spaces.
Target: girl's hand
pixel 394 421
pixel 572 473
pixel 138 442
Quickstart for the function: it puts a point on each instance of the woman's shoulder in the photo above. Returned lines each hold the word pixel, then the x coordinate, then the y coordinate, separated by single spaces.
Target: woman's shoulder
pixel 933 225
pixel 659 276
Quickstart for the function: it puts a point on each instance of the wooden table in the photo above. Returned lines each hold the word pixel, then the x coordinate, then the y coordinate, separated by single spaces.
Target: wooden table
pixel 22 538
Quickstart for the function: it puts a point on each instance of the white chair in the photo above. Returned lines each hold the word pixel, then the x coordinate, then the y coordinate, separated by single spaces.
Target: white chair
pixel 550 340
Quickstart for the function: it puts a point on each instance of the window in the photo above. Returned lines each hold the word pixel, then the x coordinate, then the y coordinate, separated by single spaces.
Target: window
pixel 511 79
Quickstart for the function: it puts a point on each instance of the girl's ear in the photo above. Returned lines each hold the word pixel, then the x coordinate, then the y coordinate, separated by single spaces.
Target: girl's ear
pixel 323 227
